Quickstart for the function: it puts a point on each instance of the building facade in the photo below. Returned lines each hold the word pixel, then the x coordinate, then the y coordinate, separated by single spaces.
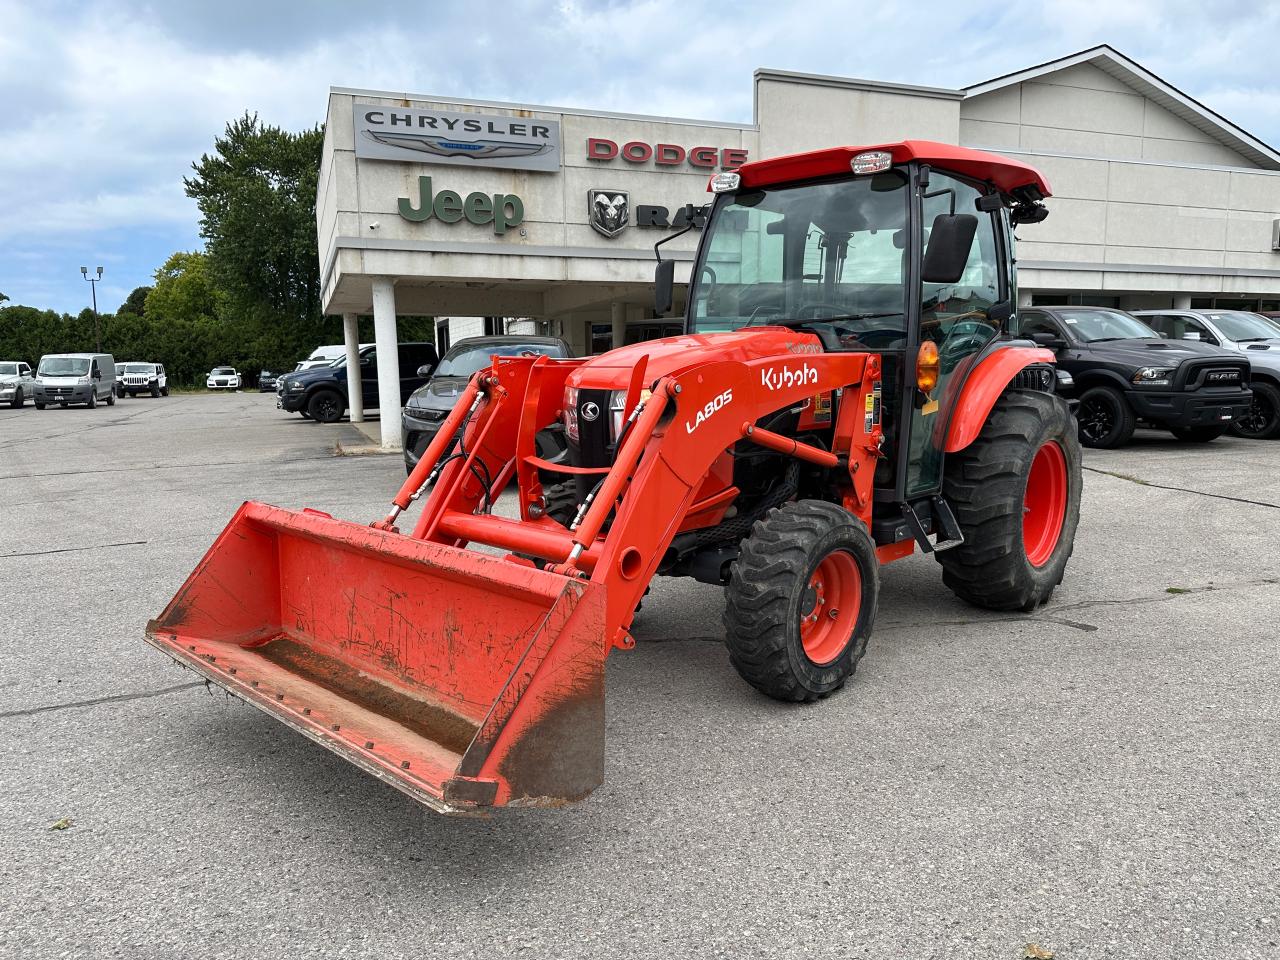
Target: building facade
pixel 470 209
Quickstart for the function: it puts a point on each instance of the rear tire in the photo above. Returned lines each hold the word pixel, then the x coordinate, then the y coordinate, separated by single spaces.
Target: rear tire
pixel 1197 434
pixel 1015 492
pixel 164 391
pixel 801 601
pixel 1105 418
pixel 326 406
pixel 1262 422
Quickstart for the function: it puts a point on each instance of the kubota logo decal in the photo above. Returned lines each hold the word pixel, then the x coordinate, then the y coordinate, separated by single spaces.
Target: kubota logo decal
pixel 719 403
pixel 775 378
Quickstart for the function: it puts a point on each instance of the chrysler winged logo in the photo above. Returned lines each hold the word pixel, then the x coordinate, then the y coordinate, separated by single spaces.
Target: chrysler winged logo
pixel 608 211
pixel 447 147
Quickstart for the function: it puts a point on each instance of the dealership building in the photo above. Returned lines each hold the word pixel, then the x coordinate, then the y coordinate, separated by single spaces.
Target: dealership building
pixel 509 217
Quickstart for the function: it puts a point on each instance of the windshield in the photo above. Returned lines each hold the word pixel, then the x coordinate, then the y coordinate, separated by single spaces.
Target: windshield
pixel 464 360
pixel 137 368
pixel 64 367
pixel 1094 325
pixel 8 369
pixel 834 253
pixel 223 371
pixel 1240 326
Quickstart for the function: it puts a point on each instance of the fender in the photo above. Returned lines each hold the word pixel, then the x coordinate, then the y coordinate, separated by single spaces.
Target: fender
pixel 984 387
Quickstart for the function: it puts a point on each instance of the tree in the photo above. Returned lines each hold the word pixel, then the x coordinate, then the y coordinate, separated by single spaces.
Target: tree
pixel 256 195
pixel 3 298
pixel 136 303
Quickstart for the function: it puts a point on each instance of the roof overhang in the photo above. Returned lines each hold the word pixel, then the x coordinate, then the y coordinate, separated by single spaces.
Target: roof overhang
pixel 1145 82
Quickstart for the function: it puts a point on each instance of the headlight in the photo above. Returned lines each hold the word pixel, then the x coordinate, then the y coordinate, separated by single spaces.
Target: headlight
pixel 1153 376
pixel 617 401
pixel 1064 379
pixel 571 413
pixel 295 386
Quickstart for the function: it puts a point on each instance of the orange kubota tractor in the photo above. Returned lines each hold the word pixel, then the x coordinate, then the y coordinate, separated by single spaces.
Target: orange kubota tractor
pixel 849 389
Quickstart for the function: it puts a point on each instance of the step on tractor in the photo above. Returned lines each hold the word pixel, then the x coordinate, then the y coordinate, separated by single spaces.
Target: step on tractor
pixel 849 389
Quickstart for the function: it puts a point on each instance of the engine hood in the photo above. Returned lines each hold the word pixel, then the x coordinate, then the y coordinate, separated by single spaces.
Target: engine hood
pixel 1264 354
pixel 438 393
pixel 1153 351
pixel 612 370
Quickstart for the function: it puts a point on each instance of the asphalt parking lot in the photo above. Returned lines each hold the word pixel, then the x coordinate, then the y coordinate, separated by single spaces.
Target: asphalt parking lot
pixel 1101 778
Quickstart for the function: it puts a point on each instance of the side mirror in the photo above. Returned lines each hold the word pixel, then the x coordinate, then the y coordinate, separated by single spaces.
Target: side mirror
pixel 950 241
pixel 1190 335
pixel 1050 340
pixel 664 279
pixel 425 370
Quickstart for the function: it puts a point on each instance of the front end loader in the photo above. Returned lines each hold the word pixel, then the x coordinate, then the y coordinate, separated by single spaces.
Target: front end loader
pixel 850 389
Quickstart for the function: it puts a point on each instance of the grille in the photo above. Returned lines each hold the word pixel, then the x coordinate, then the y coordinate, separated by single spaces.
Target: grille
pixel 60 391
pixel 1033 378
pixel 137 380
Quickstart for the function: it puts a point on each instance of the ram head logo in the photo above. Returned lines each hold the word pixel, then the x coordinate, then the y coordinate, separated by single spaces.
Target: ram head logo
pixel 608 211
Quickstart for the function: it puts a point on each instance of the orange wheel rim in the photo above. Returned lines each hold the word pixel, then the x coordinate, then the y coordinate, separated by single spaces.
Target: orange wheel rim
pixel 829 607
pixel 1044 505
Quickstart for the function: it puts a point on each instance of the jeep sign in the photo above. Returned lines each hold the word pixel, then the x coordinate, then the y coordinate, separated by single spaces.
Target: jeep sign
pixel 503 210
pixel 464 139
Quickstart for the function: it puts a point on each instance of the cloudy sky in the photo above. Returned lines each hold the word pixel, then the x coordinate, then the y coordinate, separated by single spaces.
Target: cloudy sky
pixel 106 104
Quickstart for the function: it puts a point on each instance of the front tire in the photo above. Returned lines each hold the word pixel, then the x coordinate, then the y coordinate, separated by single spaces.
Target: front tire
pixel 18 399
pixel 1262 422
pixel 111 399
pixel 92 401
pixel 801 601
pixel 326 406
pixel 1015 492
pixel 1105 418
pixel 39 405
pixel 1197 434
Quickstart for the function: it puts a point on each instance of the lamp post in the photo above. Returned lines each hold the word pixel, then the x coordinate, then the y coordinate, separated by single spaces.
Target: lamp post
pixel 93 286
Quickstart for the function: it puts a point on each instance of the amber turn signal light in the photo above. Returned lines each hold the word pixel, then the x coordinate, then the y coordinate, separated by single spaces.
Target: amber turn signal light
pixel 927 366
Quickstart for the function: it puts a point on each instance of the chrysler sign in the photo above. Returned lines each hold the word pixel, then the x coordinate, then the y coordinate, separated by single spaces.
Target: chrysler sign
pixel 465 139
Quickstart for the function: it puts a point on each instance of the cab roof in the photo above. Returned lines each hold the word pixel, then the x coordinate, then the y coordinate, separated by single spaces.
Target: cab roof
pixel 1007 175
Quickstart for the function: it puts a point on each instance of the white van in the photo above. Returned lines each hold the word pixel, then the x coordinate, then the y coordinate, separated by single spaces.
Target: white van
pixel 64 378
pixel 323 356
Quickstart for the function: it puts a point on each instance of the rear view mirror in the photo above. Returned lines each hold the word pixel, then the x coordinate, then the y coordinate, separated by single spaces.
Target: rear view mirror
pixel 664 278
pixel 947 254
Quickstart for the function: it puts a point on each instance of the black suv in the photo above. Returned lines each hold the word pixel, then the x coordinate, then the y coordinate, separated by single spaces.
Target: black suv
pixel 427 408
pixel 1124 373
pixel 320 393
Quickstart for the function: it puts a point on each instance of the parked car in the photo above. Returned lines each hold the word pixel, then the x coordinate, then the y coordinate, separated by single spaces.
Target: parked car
pixel 64 378
pixel 320 393
pixel 135 378
pixel 16 382
pixel 428 406
pixel 266 382
pixel 223 378
pixel 323 356
pixel 1246 334
pixel 1123 372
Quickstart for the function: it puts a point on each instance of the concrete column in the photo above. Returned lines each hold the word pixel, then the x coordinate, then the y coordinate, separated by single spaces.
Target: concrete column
pixel 618 321
pixel 1024 298
pixel 1182 301
pixel 355 389
pixel 387 340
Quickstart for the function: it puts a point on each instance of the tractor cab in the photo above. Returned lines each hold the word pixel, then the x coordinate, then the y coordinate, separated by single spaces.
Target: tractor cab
pixel 902 250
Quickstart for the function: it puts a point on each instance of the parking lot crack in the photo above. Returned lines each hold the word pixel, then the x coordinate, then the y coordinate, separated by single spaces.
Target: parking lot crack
pixel 1198 493
pixel 95 546
pixel 96 701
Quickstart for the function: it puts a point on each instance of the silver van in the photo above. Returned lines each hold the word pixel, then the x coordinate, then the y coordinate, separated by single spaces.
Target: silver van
pixel 64 378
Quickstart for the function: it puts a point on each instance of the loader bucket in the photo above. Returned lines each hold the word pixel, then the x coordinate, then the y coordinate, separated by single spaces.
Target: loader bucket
pixel 463 679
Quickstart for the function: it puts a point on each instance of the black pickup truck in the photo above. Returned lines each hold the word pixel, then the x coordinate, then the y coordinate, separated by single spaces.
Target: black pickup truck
pixel 1124 373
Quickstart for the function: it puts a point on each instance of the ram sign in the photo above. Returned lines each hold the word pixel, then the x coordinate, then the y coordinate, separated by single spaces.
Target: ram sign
pixel 463 139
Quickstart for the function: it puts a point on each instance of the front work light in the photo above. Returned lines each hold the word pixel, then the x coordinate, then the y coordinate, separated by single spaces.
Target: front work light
pixel 873 161
pixel 725 182
pixel 927 367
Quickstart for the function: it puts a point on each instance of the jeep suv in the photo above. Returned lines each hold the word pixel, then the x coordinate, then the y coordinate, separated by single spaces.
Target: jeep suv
pixel 135 378
pixel 1244 334
pixel 1124 372
pixel 320 393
